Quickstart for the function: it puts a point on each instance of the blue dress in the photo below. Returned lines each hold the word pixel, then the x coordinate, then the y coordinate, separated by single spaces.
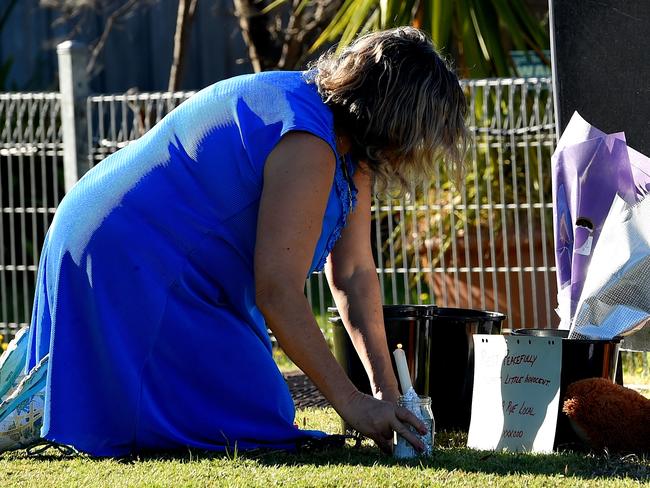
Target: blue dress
pixel 145 296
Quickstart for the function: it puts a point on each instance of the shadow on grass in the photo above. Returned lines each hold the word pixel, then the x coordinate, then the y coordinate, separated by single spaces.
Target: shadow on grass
pixel 448 456
pixel 569 464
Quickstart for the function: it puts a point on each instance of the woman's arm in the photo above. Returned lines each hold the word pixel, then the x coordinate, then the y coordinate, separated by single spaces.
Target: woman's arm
pixel 298 176
pixel 352 277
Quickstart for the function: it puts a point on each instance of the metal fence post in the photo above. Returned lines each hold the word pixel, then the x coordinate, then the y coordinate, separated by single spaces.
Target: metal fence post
pixel 73 85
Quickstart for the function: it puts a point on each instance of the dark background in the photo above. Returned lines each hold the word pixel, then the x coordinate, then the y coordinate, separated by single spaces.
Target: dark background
pixel 138 53
pixel 601 56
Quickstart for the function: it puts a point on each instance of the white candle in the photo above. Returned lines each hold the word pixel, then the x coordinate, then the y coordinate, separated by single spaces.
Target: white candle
pixel 402 369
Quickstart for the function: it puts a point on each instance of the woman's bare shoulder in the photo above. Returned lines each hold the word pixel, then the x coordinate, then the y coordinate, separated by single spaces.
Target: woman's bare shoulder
pixel 303 155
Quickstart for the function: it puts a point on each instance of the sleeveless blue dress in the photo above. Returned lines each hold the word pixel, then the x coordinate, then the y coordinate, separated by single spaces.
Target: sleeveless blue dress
pixel 145 298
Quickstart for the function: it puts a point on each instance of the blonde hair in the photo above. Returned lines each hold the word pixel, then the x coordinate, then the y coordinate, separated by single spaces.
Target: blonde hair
pixel 399 102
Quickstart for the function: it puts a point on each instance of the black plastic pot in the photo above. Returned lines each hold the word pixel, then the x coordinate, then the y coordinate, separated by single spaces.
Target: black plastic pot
pixel 451 366
pixel 581 359
pixel 408 325
pixel 440 354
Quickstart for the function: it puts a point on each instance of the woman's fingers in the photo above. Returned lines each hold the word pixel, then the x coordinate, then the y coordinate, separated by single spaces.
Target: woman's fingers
pixel 378 419
pixel 407 416
pixel 385 443
pixel 409 435
pixel 386 437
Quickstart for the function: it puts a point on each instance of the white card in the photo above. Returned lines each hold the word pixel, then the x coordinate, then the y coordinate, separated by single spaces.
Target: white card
pixel 516 393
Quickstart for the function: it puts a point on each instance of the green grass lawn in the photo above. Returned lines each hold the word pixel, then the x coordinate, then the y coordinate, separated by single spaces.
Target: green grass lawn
pixel 451 465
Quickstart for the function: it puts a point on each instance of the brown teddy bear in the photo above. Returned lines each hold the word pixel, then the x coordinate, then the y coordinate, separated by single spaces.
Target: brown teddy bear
pixel 607 415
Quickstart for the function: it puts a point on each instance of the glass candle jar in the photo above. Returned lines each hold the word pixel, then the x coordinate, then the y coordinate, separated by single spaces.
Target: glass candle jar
pixel 421 408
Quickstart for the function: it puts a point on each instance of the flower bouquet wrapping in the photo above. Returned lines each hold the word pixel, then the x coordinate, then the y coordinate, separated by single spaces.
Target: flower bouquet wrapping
pixel 602 234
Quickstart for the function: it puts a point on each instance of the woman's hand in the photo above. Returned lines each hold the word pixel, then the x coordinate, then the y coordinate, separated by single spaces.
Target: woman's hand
pixel 388 395
pixel 377 419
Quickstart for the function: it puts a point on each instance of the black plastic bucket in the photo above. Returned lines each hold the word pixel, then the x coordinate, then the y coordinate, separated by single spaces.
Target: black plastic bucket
pixel 440 354
pixel 581 359
pixel 408 325
pixel 451 367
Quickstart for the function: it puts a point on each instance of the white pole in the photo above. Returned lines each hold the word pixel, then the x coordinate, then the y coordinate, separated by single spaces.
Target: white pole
pixel 73 85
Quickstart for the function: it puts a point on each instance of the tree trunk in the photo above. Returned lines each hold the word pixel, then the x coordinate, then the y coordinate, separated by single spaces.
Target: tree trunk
pixel 184 17
pixel 272 44
pixel 263 49
pixel 303 29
